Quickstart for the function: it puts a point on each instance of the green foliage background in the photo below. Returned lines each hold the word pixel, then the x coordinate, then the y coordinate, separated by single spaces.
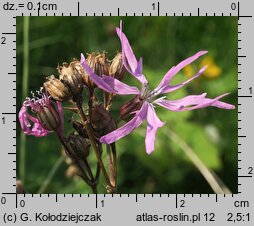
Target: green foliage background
pixel 162 42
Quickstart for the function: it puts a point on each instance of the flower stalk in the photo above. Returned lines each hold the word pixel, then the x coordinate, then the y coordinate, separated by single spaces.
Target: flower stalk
pixel 110 164
pixel 93 142
pixel 90 181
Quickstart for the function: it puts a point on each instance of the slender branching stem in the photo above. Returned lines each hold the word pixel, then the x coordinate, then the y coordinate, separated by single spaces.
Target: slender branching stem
pixel 93 142
pixel 109 102
pixel 90 103
pixel 104 99
pixel 110 164
pixel 97 174
pixel 89 171
pixel 83 175
pixel 113 148
pixel 93 180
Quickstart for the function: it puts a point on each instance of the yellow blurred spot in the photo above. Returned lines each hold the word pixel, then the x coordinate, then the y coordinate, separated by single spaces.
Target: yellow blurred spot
pixel 213 70
pixel 188 71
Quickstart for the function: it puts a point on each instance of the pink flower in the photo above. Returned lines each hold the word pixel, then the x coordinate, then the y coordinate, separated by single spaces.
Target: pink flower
pixel 147 112
pixel 49 115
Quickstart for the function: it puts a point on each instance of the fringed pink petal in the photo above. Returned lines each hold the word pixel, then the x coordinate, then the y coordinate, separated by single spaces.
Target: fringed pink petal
pixel 153 123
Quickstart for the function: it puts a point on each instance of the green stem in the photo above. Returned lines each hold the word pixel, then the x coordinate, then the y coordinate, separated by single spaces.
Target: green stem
pixel 110 164
pixel 113 148
pixel 51 174
pixel 22 162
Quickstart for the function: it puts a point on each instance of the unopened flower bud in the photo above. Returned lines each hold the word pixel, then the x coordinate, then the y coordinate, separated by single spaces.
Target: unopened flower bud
pixel 49 118
pixel 79 145
pixel 71 77
pixel 117 70
pixel 79 127
pixel 57 89
pixel 102 121
pixel 99 63
pixel 127 110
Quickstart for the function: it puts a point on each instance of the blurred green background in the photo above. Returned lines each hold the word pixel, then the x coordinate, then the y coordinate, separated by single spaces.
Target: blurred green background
pixel 162 42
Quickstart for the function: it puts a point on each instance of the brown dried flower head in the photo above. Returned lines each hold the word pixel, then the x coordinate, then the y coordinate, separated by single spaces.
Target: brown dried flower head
pixel 71 77
pixel 49 118
pixel 99 63
pixel 116 69
pixel 102 121
pixel 57 89
pixel 79 145
pixel 77 65
pixel 79 127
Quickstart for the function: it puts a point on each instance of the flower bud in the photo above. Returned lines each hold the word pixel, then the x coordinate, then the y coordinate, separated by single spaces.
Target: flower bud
pixel 99 63
pixel 79 145
pixel 57 89
pixel 79 127
pixel 71 77
pixel 116 69
pixel 49 118
pixel 102 121
pixel 127 110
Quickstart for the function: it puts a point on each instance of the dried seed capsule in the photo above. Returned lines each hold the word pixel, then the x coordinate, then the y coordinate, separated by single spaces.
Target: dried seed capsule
pixel 79 145
pixel 79 127
pixel 48 118
pixel 99 63
pixel 57 89
pixel 127 110
pixel 102 121
pixel 77 65
pixel 117 69
pixel 71 77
